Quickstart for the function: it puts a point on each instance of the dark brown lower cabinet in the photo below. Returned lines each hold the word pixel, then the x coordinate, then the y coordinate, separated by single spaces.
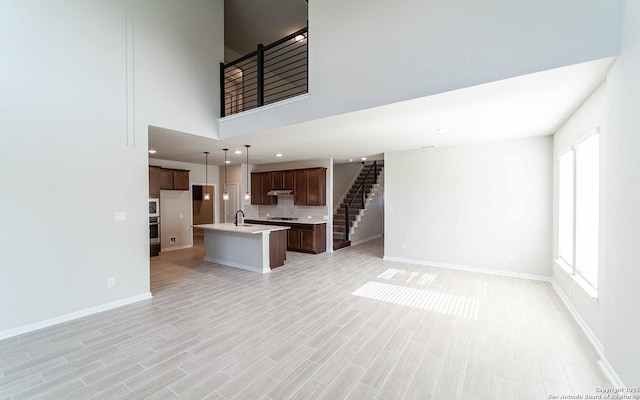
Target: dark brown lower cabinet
pixel 154 250
pixel 293 240
pixel 277 248
pixel 303 238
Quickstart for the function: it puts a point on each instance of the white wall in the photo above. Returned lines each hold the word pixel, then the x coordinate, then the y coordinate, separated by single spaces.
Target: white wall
pixel 179 46
pixel 365 53
pixel 64 163
pixel 622 190
pixel 615 317
pixel 175 219
pixel 484 206
pixel 74 147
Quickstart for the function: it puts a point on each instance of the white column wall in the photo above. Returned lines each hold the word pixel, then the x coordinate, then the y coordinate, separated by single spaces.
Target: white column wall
pixel 79 86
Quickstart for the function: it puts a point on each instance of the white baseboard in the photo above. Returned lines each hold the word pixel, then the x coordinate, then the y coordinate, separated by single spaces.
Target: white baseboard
pixel 471 269
pixel 366 240
pixel 74 315
pixel 603 363
pixel 184 246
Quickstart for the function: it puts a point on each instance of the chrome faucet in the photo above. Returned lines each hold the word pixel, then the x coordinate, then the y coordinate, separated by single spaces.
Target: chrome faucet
pixel 236 219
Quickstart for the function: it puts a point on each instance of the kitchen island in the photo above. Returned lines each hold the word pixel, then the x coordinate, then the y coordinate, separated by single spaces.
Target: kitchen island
pixel 253 247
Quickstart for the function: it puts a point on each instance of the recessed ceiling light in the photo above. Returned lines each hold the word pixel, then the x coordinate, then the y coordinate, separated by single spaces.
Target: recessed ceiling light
pixel 351 160
pixel 363 158
pixel 238 152
pixel 279 155
pixel 152 151
pixel 430 146
pixel 227 162
pixel 300 38
pixel 442 130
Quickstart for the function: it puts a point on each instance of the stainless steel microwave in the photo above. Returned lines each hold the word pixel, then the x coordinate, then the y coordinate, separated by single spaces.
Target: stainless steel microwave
pixel 154 207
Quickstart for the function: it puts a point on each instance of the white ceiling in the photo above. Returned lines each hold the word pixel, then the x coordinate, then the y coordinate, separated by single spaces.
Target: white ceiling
pixel 525 106
pixel 249 22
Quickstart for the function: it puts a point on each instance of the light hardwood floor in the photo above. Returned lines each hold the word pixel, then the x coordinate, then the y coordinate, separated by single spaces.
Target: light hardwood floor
pixel 345 325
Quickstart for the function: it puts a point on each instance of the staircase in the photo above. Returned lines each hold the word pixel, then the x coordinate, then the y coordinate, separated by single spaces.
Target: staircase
pixel 356 198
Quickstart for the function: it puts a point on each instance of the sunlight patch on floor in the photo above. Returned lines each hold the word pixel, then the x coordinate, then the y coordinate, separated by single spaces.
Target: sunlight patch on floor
pixel 419 298
pixel 408 277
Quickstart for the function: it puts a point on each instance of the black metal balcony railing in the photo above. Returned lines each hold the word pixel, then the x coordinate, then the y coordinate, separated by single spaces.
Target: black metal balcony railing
pixel 271 73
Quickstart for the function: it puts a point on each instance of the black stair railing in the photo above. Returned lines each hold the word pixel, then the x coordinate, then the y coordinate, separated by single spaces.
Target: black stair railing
pixel 358 199
pixel 267 75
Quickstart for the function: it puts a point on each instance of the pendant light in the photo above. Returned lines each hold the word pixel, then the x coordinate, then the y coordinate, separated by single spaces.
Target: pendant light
pixel 225 194
pixel 247 196
pixel 207 195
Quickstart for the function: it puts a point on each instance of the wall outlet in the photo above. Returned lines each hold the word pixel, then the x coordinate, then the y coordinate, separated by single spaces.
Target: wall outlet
pixel 325 217
pixel 111 282
pixel 308 216
pixel 173 240
pixel 510 257
pixel 404 246
pixel 120 216
pixel 181 216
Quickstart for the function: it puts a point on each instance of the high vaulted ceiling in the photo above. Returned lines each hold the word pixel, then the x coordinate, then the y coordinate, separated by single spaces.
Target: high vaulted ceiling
pixel 531 105
pixel 525 106
pixel 249 22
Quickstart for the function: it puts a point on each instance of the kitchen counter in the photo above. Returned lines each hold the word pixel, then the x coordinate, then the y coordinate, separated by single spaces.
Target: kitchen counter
pixel 245 228
pixel 297 221
pixel 253 247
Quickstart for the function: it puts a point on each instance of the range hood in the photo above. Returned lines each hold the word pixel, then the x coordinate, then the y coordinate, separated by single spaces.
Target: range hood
pixel 278 192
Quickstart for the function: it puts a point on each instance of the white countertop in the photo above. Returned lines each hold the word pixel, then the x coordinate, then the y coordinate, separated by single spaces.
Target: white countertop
pixel 248 229
pixel 297 221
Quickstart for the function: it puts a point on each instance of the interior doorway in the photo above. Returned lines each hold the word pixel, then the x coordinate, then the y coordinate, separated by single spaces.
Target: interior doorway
pixel 203 210
pixel 233 204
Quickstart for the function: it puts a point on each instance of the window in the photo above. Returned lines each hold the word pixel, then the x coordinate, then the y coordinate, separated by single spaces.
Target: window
pixel 578 192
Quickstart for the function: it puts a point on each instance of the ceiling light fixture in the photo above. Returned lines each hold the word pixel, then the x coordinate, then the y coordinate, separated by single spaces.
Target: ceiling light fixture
pixel 207 195
pixel 225 194
pixel 238 152
pixel 351 160
pixel 300 38
pixel 363 158
pixel 279 155
pixel 152 151
pixel 247 196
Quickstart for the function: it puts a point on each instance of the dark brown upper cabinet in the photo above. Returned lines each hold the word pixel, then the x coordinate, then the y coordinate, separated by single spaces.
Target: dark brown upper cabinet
pixel 173 179
pixel 154 182
pixel 288 179
pixel 260 186
pixel 310 187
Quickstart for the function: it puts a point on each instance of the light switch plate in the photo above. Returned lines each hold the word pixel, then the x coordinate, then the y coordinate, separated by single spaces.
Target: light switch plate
pixel 121 216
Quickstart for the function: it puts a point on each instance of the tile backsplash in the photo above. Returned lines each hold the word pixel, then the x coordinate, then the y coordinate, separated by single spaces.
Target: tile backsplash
pixel 286 208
